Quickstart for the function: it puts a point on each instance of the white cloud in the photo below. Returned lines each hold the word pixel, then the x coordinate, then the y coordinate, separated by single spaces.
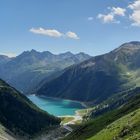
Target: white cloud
pixel 54 33
pixel 109 18
pixel 72 35
pixel 47 32
pixel 90 18
pixel 135 5
pixel 133 10
pixel 118 11
pixel 135 16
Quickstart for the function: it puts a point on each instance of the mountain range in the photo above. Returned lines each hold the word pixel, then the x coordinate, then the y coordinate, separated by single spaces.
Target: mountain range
pixel 26 70
pixel 4 59
pixel 98 78
pixel 108 83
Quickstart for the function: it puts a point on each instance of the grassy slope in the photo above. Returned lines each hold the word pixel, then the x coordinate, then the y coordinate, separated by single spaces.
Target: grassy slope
pixel 20 115
pixel 125 128
pixel 94 126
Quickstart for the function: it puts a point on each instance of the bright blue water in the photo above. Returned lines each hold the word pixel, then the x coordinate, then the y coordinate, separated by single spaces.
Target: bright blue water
pixel 57 107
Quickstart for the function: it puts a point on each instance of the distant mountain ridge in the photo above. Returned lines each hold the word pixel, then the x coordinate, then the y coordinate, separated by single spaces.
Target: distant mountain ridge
pixel 27 69
pixel 4 59
pixel 99 77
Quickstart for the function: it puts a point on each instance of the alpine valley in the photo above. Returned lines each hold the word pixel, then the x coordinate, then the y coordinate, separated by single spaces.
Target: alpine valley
pixel 107 85
pixel 69 69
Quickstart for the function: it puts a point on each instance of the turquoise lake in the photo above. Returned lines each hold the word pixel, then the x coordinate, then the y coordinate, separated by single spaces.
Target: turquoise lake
pixel 57 107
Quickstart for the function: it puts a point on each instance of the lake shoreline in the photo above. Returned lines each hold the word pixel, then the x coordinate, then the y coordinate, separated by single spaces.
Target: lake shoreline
pixel 34 98
pixel 73 119
pixel 56 98
pixel 66 120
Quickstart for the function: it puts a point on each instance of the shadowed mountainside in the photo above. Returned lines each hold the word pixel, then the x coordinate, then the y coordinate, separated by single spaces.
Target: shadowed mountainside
pixel 20 116
pixel 99 77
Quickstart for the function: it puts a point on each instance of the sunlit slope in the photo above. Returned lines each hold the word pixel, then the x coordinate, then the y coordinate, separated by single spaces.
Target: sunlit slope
pixel 97 124
pixel 125 128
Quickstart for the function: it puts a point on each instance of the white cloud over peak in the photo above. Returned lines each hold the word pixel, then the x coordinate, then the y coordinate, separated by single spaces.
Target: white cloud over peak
pixel 135 16
pixel 47 32
pixel 72 35
pixel 54 33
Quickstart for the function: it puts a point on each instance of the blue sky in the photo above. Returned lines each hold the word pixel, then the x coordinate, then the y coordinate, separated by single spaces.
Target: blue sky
pixel 91 26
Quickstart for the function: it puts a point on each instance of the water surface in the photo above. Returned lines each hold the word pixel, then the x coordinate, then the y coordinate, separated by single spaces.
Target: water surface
pixel 57 107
